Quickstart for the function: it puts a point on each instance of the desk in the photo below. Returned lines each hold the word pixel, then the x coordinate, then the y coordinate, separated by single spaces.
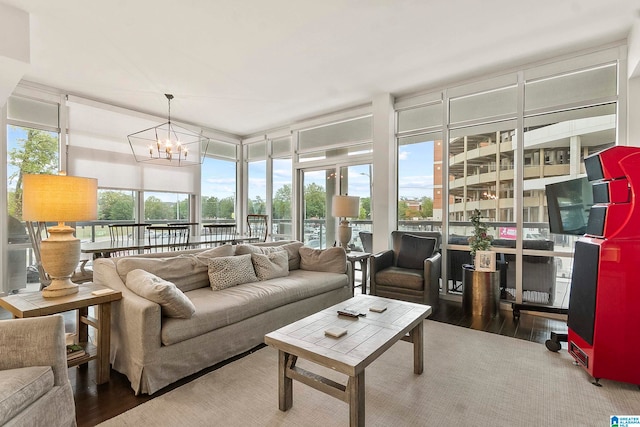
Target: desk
pixel 34 304
pixel 363 259
pixel 480 292
pixel 105 248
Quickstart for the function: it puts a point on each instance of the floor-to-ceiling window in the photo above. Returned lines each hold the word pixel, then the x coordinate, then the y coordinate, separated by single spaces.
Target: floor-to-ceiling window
pixel 32 148
pixel 568 116
pixel 419 165
pixel 218 183
pixel 282 189
pixel 334 158
pixel 507 137
pixel 256 164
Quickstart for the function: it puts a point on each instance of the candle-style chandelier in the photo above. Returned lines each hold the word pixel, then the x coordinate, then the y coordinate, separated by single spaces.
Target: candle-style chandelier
pixel 169 144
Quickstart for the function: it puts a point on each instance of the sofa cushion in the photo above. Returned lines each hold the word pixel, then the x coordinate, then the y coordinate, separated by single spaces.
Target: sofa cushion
pixel 228 271
pixel 173 302
pixel 401 278
pixel 186 271
pixel 241 302
pixel 270 266
pixel 251 249
pixel 331 260
pixel 291 248
pixel 20 387
pixel 414 250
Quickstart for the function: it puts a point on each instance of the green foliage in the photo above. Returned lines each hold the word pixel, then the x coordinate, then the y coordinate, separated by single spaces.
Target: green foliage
pixel 365 208
pixel 213 208
pixel 115 205
pixel 257 206
pixel 156 209
pixel 481 240
pixel 315 201
pixel 37 154
pixel 282 203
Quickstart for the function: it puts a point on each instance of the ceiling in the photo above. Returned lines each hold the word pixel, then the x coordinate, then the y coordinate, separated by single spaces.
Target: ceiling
pixel 247 66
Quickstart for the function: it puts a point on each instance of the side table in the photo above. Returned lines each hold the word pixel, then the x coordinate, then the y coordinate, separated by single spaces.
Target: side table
pixel 363 259
pixel 34 304
pixel 480 292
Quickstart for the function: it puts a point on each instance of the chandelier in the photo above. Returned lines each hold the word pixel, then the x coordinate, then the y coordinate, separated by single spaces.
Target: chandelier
pixel 168 144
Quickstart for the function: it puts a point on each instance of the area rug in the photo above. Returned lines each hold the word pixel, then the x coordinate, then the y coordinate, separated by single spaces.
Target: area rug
pixel 470 378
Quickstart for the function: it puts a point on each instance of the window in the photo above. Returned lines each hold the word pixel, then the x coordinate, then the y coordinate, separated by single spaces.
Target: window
pixel 282 182
pixel 218 186
pixel 257 178
pixel 419 181
pixel 32 147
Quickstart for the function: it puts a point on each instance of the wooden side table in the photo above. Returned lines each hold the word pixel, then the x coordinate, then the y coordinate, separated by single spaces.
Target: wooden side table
pixel 34 305
pixel 363 259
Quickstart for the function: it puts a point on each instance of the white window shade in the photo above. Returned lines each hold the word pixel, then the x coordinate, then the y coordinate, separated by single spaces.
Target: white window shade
pixel 98 148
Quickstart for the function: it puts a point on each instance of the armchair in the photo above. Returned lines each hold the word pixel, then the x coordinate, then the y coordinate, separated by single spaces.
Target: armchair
pixel 411 270
pixel 34 380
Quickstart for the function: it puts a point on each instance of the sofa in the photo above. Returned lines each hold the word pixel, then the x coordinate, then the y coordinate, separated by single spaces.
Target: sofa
pixel 34 380
pixel 156 342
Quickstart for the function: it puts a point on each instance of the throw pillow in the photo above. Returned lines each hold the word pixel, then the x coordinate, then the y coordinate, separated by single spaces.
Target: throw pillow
pixel 331 260
pixel 414 250
pixel 228 271
pixel 272 265
pixel 171 299
pixel 291 248
pixel 186 271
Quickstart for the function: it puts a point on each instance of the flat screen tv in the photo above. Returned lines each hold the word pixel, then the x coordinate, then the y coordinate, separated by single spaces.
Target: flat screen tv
pixel 568 205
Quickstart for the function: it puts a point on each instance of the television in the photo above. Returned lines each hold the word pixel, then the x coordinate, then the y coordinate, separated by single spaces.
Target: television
pixel 568 205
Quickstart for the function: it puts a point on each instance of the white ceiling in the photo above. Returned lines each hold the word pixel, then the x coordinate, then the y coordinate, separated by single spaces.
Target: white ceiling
pixel 245 66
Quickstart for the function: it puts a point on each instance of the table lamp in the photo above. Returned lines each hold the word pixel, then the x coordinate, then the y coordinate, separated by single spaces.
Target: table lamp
pixel 59 198
pixel 345 207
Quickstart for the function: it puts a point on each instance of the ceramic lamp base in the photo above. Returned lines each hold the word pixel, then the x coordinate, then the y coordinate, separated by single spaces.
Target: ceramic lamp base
pixel 344 235
pixel 60 255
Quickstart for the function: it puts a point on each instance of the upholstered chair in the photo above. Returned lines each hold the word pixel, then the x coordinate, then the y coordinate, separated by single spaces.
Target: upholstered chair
pixel 34 378
pixel 410 271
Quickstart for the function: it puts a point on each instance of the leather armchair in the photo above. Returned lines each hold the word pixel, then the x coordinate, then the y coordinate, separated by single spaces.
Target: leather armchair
pixel 34 378
pixel 416 279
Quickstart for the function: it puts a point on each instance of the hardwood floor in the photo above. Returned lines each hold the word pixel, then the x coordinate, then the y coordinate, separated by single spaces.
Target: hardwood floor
pixel 97 403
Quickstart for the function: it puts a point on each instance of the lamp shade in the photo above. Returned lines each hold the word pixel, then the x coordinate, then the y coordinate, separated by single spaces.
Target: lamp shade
pixel 345 206
pixel 59 198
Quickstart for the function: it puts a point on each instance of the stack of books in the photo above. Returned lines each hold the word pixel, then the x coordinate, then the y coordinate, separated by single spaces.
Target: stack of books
pixel 74 351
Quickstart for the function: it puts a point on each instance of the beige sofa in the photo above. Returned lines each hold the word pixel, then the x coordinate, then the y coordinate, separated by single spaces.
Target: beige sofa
pixel 154 350
pixel 34 381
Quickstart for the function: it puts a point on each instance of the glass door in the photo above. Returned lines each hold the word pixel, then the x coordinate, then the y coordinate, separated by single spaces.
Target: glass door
pixel 319 226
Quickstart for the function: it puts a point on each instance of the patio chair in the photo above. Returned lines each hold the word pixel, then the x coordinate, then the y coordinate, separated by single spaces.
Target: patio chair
pixel 258 226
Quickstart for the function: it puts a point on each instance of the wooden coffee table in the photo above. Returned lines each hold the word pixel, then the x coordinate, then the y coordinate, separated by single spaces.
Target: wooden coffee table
pixel 367 338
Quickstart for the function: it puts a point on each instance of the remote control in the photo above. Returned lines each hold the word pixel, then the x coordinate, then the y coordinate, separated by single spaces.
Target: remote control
pixel 350 313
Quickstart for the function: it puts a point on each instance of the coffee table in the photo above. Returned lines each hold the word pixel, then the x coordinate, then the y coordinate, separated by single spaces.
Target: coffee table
pixel 367 338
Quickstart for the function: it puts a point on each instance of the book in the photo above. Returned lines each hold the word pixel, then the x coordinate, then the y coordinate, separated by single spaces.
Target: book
pixel 377 308
pixel 76 355
pixel 75 351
